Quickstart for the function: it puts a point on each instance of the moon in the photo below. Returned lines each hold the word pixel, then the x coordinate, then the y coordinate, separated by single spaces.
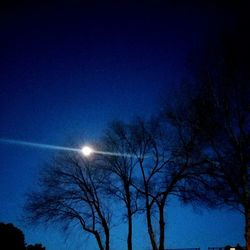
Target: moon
pixel 87 151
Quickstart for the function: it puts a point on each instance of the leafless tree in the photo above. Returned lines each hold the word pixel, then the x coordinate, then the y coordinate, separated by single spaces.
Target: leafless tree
pixel 156 176
pixel 121 172
pixel 71 191
pixel 215 110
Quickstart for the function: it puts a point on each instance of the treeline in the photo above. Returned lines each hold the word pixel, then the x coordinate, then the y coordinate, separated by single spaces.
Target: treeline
pixel 196 148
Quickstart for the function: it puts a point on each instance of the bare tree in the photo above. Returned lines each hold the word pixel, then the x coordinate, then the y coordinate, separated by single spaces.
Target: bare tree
pixel 151 183
pixel 71 191
pixel 121 171
pixel 216 113
pixel 156 176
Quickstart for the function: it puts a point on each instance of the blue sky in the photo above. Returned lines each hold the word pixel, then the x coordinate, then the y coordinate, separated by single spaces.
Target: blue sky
pixel 67 70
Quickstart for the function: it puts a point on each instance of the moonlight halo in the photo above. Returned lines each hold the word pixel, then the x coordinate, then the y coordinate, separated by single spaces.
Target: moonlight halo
pixel 87 151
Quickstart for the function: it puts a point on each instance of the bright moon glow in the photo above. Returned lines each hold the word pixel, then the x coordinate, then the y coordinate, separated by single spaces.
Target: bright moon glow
pixel 87 150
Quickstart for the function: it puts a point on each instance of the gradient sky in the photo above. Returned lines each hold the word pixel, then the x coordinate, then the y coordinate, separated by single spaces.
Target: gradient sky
pixel 66 70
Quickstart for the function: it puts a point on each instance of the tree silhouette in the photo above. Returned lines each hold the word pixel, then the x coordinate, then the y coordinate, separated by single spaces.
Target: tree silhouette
pixel 11 238
pixel 215 113
pixel 155 176
pixel 121 171
pixel 71 192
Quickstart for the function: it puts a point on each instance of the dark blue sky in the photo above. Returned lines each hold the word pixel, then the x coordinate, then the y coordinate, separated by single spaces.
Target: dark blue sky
pixel 66 70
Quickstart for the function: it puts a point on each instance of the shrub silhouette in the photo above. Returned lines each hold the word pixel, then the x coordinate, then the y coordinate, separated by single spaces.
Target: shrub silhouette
pixel 11 238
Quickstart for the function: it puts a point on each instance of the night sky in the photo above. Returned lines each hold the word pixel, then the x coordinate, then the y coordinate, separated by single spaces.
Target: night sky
pixel 66 70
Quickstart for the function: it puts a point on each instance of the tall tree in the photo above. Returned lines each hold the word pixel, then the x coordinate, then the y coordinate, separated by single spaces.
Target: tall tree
pixel 71 191
pixel 121 172
pixel 215 110
pixel 156 176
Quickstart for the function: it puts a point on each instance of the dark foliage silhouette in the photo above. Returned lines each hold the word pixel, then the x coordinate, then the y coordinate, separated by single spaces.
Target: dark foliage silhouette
pixel 11 238
pixel 35 247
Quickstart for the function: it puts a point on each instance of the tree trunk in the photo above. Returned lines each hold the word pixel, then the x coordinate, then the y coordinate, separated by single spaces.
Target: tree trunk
pixel 98 239
pixel 107 239
pixel 150 227
pixel 107 236
pixel 104 226
pixel 129 214
pixel 162 227
pixel 129 240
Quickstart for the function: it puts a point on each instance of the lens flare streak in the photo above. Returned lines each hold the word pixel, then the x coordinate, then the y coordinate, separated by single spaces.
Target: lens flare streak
pixel 114 154
pixel 54 147
pixel 39 145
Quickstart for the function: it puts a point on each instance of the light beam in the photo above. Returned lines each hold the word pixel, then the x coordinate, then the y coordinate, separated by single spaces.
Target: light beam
pixel 86 150
pixel 39 145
